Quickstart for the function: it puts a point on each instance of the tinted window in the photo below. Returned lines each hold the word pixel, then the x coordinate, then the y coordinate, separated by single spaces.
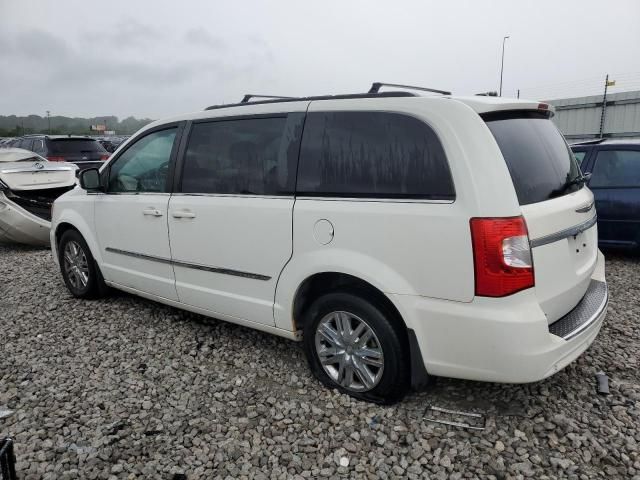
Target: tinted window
pixel 616 168
pixel 538 158
pixel 75 145
pixel 372 154
pixel 38 146
pixel 252 157
pixel 579 157
pixel 143 167
pixel 26 143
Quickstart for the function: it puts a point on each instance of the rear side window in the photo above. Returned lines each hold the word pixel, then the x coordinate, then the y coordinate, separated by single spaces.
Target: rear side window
pixel 254 156
pixel 616 168
pixel 75 145
pixel 26 143
pixel 372 154
pixel 539 160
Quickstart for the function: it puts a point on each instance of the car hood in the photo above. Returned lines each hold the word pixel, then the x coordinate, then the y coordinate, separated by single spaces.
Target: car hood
pixel 37 175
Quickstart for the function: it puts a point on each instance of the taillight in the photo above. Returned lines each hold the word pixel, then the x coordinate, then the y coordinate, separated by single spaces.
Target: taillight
pixel 501 255
pixel 104 157
pixel 54 158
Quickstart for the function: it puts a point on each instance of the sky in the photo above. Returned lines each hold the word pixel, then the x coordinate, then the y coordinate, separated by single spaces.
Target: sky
pixel 152 58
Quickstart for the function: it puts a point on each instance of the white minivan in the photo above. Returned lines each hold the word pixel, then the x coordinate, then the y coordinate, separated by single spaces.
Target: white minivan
pixel 398 236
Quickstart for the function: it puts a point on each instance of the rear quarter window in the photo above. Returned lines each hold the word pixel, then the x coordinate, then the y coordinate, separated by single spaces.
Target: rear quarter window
pixel 539 160
pixel 372 154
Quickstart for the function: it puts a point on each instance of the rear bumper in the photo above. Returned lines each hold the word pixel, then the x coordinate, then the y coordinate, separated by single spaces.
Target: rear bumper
pixel 504 340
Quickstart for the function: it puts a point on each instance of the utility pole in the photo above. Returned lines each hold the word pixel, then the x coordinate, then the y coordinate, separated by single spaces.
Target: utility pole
pixel 603 116
pixel 518 93
pixel 502 64
pixel 49 122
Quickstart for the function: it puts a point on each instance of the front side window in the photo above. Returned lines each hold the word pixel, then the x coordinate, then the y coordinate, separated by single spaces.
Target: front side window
pixel 616 168
pixel 374 155
pixel 144 166
pixel 254 156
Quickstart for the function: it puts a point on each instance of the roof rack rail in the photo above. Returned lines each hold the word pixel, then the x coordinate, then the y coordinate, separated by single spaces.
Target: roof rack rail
pixel 249 96
pixel 375 88
pixel 590 142
pixel 320 97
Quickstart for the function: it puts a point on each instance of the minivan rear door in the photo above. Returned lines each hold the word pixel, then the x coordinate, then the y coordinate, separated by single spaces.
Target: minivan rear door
pixel 558 209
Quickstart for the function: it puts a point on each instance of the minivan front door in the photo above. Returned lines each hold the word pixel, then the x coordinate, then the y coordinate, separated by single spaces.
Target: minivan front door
pixel 131 217
pixel 230 222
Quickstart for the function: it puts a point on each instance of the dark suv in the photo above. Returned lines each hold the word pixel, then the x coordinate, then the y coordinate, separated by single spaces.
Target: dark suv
pixel 615 181
pixel 85 152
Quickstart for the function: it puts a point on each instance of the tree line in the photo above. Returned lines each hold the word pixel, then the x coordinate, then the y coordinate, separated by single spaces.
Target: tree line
pixel 15 126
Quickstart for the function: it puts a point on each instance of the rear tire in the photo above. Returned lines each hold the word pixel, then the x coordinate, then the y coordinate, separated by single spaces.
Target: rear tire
pixel 354 345
pixel 79 269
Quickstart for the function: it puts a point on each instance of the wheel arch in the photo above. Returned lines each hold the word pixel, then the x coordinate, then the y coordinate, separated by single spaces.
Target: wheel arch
pixel 317 284
pixel 70 220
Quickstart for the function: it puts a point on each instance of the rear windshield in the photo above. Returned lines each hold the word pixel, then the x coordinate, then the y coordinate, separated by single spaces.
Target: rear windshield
pixel 539 160
pixel 76 145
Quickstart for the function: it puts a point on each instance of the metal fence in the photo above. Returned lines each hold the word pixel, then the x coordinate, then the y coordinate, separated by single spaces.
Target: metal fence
pixel 7 460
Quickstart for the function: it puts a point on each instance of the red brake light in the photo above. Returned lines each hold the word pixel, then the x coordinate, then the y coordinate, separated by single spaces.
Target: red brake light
pixel 54 158
pixel 104 157
pixel 543 106
pixel 501 255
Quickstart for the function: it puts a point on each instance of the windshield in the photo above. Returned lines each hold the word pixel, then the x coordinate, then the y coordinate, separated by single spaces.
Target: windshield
pixel 539 160
pixel 80 145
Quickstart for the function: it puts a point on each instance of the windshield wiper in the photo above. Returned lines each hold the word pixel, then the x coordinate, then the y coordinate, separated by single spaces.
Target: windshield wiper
pixel 579 180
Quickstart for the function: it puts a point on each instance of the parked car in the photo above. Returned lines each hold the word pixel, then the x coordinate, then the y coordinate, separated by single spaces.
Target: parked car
pixel 614 166
pixel 85 152
pixel 397 236
pixel 28 186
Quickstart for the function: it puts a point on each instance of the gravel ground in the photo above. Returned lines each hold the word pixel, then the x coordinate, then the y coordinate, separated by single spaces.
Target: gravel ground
pixel 127 388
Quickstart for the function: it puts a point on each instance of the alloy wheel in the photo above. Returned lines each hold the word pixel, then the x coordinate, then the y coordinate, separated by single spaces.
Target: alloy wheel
pixel 76 266
pixel 349 351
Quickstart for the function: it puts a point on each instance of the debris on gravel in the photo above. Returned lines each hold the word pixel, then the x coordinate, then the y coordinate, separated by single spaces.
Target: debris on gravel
pixel 127 388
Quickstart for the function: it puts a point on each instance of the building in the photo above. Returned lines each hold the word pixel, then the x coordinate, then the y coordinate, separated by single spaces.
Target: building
pixel 581 118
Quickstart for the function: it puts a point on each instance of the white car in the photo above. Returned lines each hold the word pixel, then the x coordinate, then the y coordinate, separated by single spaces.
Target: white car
pixel 398 236
pixel 29 184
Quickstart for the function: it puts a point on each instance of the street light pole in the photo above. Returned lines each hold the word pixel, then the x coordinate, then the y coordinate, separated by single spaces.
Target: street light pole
pixel 504 39
pixel 49 122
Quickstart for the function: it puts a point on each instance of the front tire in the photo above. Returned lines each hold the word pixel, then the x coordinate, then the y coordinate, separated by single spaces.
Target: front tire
pixel 354 345
pixel 79 270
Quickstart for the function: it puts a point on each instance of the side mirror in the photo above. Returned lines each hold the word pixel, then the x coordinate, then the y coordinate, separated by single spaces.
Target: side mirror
pixel 90 180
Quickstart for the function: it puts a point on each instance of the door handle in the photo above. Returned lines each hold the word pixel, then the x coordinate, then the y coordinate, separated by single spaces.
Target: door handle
pixel 154 212
pixel 183 214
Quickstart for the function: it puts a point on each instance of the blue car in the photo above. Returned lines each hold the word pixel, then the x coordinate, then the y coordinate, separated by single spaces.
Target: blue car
pixel 615 181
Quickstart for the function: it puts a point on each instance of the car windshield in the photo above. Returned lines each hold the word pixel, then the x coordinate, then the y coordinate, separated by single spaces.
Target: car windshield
pixel 540 162
pixel 76 145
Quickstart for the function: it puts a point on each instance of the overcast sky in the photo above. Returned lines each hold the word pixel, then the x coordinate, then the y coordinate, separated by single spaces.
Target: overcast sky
pixel 152 58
